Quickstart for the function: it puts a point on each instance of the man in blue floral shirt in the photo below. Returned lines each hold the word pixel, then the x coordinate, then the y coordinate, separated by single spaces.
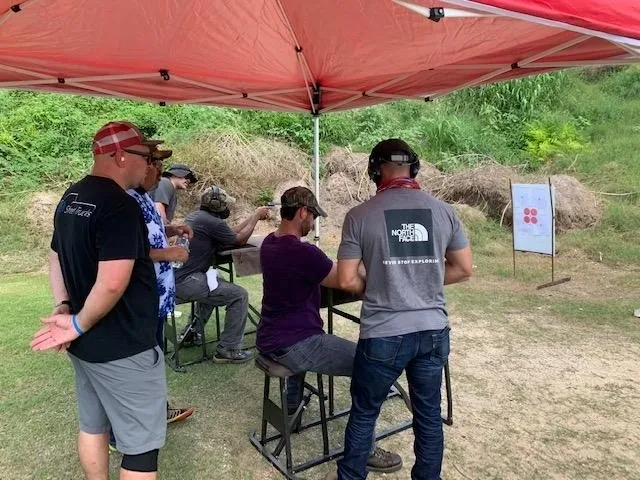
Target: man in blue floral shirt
pixel 162 254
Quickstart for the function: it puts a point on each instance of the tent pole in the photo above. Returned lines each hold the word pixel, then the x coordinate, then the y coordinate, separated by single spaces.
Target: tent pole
pixel 316 170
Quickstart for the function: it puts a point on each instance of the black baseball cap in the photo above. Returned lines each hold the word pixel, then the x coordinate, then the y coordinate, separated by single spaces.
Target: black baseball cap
pixel 180 170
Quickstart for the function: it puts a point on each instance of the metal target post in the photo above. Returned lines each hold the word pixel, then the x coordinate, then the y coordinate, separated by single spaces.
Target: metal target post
pixel 553 235
pixel 513 233
pixel 553 244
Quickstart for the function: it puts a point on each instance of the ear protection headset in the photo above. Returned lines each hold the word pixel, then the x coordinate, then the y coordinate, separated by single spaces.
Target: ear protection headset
pixel 393 150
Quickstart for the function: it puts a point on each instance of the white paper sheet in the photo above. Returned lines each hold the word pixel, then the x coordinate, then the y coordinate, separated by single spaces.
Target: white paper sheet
pixel 212 279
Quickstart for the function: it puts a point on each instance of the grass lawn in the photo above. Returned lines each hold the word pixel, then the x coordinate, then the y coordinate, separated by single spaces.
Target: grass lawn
pixel 546 385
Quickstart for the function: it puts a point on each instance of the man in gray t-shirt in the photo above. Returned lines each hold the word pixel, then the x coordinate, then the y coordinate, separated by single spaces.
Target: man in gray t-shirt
pixel 410 245
pixel 165 195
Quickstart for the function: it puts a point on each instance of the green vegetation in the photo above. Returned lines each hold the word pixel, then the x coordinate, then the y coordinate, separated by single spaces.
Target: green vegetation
pixel 584 123
pixel 546 119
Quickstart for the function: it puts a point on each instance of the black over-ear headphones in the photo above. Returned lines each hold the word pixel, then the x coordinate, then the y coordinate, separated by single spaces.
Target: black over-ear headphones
pixel 393 150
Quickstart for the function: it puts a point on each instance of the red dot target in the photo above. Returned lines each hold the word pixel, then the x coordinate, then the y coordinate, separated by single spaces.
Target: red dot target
pixel 530 216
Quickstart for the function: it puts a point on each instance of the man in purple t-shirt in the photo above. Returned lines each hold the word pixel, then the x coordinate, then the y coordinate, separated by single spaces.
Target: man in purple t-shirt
pixel 290 330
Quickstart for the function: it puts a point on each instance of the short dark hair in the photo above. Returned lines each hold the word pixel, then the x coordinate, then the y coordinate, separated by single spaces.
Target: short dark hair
pixel 289 213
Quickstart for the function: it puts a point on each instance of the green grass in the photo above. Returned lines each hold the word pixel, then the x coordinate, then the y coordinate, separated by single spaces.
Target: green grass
pixel 497 320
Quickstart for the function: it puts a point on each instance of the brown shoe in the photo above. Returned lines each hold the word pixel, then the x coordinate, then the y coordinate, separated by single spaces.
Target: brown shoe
pixel 331 476
pixel 382 461
pixel 224 355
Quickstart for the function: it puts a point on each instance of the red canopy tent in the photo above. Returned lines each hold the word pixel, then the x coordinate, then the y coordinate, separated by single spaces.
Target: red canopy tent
pixel 302 56
pixel 298 55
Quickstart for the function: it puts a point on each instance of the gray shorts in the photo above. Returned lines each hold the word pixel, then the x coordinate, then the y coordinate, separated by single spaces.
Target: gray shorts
pixel 129 395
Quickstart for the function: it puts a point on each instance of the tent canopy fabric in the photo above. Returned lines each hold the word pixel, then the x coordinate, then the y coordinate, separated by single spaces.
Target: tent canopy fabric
pixel 302 56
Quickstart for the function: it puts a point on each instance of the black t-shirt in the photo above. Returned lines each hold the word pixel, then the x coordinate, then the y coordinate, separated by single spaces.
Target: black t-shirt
pixel 95 221
pixel 210 233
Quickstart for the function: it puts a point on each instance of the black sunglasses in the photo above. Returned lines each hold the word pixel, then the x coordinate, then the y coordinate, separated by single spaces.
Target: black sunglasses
pixel 147 156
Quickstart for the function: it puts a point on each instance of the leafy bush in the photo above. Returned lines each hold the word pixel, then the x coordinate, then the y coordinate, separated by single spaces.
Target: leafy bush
pixel 551 138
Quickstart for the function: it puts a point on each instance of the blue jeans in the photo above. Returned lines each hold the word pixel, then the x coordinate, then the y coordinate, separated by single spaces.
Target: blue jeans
pixel 321 353
pixel 378 363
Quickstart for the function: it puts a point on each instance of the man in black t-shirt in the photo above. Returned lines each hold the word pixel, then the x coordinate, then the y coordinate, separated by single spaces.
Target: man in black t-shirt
pixel 210 233
pixel 104 286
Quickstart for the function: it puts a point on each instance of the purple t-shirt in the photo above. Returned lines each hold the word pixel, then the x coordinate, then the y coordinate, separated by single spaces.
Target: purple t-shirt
pixel 291 271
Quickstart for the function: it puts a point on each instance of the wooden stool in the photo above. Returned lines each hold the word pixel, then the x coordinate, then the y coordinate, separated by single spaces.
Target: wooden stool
pixel 277 416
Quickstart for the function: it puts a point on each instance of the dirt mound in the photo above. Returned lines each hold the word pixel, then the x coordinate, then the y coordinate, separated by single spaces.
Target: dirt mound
pixel 40 211
pixel 340 188
pixel 428 176
pixel 340 159
pixel 576 206
pixel 248 167
pixel 351 166
pixel 284 186
pixel 487 188
pixel 467 213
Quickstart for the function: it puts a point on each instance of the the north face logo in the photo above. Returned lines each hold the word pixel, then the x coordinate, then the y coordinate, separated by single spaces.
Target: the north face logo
pixel 411 232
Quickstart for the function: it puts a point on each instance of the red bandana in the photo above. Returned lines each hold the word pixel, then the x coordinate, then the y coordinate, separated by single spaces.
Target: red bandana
pixel 399 183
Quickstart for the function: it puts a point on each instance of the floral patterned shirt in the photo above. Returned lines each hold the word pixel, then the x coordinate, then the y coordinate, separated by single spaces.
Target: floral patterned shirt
pixel 157 239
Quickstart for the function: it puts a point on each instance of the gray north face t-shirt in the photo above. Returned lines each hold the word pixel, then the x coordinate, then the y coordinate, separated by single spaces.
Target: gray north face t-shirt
pixel 165 193
pixel 402 235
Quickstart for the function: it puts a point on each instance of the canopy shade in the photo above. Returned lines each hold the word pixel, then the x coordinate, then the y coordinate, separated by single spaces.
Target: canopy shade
pixel 296 55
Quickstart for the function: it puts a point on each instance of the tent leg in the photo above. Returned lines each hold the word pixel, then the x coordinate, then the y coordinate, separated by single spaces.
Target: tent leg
pixel 316 171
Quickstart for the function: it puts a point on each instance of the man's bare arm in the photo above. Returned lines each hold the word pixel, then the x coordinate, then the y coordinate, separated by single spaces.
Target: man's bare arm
pixel 56 280
pixel 112 281
pixel 162 210
pixel 60 329
pixel 170 254
pixel 173 230
pixel 350 276
pixel 459 266
pixel 246 228
pixel 331 280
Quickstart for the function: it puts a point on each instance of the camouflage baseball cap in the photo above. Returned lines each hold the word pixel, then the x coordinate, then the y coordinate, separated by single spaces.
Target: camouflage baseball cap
pixel 302 197
pixel 216 199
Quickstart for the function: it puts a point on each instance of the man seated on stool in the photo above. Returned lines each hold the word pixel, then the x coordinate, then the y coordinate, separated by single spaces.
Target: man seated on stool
pixel 210 234
pixel 290 330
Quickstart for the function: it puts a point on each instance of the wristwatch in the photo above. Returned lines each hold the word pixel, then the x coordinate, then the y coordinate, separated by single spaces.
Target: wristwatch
pixel 64 302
